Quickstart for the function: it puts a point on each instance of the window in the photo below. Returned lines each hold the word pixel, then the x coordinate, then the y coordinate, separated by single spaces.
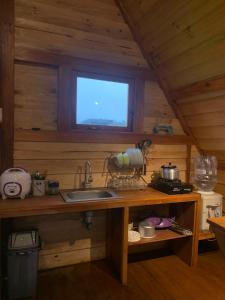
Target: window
pixel 102 102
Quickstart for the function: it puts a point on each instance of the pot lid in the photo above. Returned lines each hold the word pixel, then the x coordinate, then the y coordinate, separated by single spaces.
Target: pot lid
pixel 169 166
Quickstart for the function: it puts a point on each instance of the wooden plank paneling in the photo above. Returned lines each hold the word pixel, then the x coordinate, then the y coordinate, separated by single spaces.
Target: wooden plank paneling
pixel 65 91
pixel 216 132
pixel 195 24
pixel 77 166
pixel 65 239
pixel 207 119
pixel 201 88
pixel 93 18
pixel 148 54
pixel 184 41
pixel 181 37
pixel 48 150
pixel 35 101
pixel 209 105
pixel 138 110
pixel 98 137
pixel 67 45
pixel 34 56
pixel 6 82
pixel 78 30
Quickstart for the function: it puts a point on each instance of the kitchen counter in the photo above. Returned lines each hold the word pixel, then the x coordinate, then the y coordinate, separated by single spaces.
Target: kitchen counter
pixel 217 222
pixel 30 206
pixel 118 209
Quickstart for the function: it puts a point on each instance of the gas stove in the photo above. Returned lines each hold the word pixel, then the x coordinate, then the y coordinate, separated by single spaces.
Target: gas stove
pixel 171 187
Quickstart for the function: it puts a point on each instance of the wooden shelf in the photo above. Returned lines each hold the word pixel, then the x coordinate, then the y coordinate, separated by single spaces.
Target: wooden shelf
pixel 27 135
pixel 161 235
pixel 205 235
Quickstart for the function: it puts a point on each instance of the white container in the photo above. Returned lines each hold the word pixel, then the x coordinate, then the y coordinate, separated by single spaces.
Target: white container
pixel 146 229
pixel 212 204
pixel 38 187
pixel 15 183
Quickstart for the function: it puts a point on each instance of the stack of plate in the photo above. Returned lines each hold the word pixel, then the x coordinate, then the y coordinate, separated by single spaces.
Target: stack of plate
pixel 135 157
pixel 121 160
pixel 132 158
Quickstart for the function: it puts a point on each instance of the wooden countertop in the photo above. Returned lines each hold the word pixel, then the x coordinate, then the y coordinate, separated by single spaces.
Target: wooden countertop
pixel 219 222
pixel 31 206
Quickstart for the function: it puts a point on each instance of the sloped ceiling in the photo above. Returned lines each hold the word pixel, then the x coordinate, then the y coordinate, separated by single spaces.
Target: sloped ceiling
pixel 184 40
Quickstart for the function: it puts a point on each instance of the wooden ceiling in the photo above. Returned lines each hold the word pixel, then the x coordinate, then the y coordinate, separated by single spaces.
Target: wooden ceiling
pixel 184 41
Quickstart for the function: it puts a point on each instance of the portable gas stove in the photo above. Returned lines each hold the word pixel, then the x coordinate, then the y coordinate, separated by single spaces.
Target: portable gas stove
pixel 171 187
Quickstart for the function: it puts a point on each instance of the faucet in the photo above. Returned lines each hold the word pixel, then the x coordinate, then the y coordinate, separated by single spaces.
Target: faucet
pixel 87 175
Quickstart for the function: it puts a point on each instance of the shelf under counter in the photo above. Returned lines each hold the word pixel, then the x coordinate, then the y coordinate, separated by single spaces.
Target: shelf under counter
pixel 161 235
pixel 206 235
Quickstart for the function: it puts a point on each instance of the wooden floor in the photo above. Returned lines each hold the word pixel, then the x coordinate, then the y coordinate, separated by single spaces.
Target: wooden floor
pixel 165 278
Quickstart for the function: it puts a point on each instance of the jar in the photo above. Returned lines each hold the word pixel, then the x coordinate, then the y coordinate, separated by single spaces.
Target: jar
pixel 38 187
pixel 53 187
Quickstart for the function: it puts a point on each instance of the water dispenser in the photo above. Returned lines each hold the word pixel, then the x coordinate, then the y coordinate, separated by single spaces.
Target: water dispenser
pixel 205 179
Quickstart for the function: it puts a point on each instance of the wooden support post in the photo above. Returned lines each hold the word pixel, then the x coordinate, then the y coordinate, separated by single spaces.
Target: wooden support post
pixel 187 215
pixel 119 241
pixel 188 163
pixel 6 82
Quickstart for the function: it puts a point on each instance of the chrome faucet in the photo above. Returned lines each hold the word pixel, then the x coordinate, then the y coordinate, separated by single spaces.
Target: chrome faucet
pixel 87 175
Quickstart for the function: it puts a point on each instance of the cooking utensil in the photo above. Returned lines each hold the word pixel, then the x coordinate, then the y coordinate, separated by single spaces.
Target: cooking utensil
pixel 169 171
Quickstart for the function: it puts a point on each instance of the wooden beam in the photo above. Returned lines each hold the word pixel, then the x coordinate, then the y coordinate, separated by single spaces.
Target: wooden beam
pixel 26 135
pixel 160 79
pixel 6 82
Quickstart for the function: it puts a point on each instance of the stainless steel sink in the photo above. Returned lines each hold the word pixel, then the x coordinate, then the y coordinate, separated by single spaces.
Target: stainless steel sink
pixel 89 195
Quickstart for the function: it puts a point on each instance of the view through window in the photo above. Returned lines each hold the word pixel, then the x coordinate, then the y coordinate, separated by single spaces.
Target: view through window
pixel 101 102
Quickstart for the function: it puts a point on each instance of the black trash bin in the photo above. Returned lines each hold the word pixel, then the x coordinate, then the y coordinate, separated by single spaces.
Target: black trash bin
pixel 22 264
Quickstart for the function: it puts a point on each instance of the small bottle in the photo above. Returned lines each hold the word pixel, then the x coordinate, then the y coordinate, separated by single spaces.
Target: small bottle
pixel 53 187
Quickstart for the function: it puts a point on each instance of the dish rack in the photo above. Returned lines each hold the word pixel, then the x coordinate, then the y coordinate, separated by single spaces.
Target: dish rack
pixel 128 178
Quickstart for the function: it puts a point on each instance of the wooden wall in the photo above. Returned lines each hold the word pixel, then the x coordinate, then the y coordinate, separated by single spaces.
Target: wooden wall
pixel 184 42
pixel 203 106
pixel 36 106
pixel 92 29
pixel 88 29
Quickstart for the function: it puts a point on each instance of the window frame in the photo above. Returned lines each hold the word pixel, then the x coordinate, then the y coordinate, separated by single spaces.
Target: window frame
pixel 66 93
pixel 106 77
